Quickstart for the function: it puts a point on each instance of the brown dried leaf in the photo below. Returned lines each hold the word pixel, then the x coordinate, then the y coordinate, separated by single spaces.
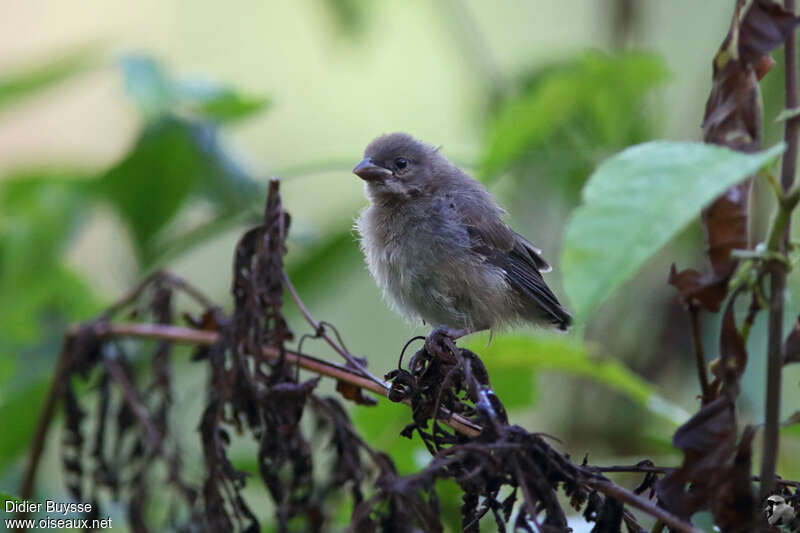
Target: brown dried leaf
pixel 791 348
pixel 703 291
pixel 734 503
pixel 354 393
pixel 707 441
pixel 733 118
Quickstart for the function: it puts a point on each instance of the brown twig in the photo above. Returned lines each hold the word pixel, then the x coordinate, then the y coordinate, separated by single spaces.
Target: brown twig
pixel 699 353
pixel 634 500
pixel 310 363
pixel 318 366
pixel 456 422
pixel 171 279
pixel 319 330
pixel 778 281
pixel 45 419
pixel 135 402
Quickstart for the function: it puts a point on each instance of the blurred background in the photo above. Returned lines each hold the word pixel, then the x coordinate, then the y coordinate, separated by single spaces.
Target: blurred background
pixel 141 135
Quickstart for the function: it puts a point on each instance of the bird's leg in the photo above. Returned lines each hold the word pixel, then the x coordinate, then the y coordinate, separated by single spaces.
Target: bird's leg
pixel 442 341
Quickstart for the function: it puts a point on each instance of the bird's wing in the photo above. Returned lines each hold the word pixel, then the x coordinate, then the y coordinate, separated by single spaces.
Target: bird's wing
pixel 505 248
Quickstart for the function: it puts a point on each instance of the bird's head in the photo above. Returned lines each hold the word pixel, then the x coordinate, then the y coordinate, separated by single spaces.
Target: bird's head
pixel 399 166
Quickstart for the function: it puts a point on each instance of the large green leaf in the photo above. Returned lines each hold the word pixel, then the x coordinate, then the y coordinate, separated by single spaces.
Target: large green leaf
pixel 172 160
pixel 634 203
pixel 567 116
pixel 178 157
pixel 560 353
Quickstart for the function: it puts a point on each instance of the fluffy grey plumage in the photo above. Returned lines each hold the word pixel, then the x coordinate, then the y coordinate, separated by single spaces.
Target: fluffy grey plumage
pixel 435 242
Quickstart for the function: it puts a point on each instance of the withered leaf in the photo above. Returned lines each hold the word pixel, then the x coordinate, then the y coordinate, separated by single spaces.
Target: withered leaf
pixel 354 393
pixel 734 503
pixel 700 290
pixel 733 118
pixel 707 441
pixel 791 348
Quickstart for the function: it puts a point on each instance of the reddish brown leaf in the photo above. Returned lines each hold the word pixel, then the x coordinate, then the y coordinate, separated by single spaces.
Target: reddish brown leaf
pixel 354 393
pixel 791 348
pixel 733 119
pixel 698 290
pixel 707 441
pixel 733 503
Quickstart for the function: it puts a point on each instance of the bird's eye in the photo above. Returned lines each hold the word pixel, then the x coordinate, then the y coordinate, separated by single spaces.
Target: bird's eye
pixel 401 163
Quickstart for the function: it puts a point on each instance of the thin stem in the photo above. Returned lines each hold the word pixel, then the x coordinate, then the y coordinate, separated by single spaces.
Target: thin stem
pixel 778 280
pixel 634 500
pixel 45 419
pixel 319 330
pixel 135 402
pixel 310 363
pixel 699 354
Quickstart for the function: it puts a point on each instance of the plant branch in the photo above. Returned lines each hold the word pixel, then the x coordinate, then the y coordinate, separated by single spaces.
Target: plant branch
pixel 45 418
pixel 699 354
pixel 778 241
pixel 135 402
pixel 319 331
pixel 307 362
pixel 202 337
pixel 634 500
pixel 318 366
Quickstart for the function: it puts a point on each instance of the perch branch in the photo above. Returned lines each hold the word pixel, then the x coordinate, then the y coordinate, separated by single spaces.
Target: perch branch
pixel 310 363
pixel 339 372
pixel 778 242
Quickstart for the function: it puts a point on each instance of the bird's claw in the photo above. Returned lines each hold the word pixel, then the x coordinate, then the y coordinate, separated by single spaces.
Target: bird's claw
pixel 441 343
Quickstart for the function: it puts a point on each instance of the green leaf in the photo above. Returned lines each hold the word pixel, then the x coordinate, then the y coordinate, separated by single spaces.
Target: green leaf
pixel 148 85
pixel 517 389
pixel 19 412
pixel 29 81
pixel 172 160
pixel 381 425
pixel 227 106
pixel 156 94
pixel 634 203
pixel 527 355
pixel 567 116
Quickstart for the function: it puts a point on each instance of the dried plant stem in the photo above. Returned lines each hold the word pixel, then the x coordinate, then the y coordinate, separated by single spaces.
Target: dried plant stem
pixel 310 363
pixel 319 330
pixel 45 418
pixel 135 403
pixel 634 500
pixel 307 362
pixel 318 366
pixel 778 242
pixel 699 353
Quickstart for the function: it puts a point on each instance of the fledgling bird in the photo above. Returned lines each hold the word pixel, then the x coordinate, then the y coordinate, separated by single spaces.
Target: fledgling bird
pixel 436 244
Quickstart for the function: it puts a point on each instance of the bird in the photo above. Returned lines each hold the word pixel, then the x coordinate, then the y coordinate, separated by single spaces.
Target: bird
pixel 436 243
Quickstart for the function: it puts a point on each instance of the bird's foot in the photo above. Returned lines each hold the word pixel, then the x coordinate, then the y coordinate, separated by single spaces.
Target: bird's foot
pixel 441 343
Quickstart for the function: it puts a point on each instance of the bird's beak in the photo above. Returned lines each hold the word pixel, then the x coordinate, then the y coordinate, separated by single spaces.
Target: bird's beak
pixel 369 171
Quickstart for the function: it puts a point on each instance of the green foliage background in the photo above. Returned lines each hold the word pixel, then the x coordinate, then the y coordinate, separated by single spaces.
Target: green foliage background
pixel 150 147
